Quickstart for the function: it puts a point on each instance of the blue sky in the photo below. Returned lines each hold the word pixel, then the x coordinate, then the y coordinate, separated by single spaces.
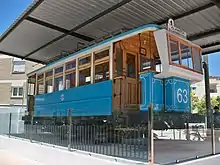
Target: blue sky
pixel 11 9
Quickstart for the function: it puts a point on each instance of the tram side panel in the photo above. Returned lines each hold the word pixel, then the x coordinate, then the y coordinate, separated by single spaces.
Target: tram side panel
pixel 88 100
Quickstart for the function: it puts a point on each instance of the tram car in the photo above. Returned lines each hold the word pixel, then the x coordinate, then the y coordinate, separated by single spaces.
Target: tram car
pixel 122 74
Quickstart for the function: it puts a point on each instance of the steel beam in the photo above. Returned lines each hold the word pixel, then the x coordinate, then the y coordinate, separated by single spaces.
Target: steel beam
pixel 109 10
pixel 187 13
pixel 57 28
pixel 204 34
pixel 210 44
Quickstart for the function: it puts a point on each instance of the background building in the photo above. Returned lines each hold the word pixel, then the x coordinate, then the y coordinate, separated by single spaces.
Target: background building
pixel 13 82
pixel 199 88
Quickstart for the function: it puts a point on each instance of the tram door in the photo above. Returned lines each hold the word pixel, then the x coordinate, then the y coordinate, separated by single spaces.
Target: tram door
pixel 125 81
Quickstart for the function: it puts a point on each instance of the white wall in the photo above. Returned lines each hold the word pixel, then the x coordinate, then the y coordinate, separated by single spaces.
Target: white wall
pixel 58 156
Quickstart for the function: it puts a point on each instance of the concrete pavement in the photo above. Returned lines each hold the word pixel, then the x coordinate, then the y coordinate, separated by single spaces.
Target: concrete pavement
pixel 7 158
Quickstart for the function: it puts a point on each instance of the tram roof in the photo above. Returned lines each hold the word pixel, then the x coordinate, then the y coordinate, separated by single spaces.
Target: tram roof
pixel 49 29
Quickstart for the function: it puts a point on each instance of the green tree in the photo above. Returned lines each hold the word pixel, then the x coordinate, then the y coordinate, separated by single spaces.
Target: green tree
pixel 199 105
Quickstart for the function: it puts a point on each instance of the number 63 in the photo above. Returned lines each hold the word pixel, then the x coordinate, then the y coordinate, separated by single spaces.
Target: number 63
pixel 182 95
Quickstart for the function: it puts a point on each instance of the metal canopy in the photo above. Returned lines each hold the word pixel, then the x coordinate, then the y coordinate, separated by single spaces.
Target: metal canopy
pixel 51 29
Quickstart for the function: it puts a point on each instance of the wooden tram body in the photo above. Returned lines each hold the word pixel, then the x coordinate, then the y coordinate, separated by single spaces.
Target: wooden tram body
pixel 124 74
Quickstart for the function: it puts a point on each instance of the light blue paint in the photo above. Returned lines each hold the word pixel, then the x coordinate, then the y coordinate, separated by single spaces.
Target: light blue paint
pixel 177 94
pixel 152 92
pixel 88 100
pixel 103 42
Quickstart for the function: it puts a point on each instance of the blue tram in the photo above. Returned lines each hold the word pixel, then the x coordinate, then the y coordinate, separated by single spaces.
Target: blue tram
pixel 122 74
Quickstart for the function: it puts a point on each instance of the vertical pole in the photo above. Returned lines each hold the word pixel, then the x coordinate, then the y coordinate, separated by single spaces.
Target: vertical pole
pixel 150 136
pixel 70 129
pixel 208 104
pixel 32 123
pixel 9 128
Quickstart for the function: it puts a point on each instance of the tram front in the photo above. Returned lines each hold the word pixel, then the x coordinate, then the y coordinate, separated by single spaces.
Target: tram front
pixel 180 65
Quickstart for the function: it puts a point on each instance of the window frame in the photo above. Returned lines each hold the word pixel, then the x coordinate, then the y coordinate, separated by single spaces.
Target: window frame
pixel 18 72
pixel 101 61
pixel 181 41
pixel 41 80
pixel 18 90
pixel 48 78
pixel 70 71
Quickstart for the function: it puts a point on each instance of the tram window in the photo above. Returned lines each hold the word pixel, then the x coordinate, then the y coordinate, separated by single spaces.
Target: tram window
pixel 102 72
pixel 102 54
pixel 175 55
pixel 58 70
pixel 85 76
pixel 50 73
pixel 85 60
pixel 70 80
pixel 145 63
pixel 131 67
pixel 49 86
pixel 197 60
pixel 71 65
pixel 40 76
pixel 186 54
pixel 40 87
pixel 58 83
pixel 119 62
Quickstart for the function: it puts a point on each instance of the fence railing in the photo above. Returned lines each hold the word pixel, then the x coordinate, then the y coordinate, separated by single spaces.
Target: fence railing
pixel 171 143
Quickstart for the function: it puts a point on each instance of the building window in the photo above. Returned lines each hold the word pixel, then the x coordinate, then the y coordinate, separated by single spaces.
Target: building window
pixel 18 66
pixel 174 52
pixel 17 92
pixel 213 88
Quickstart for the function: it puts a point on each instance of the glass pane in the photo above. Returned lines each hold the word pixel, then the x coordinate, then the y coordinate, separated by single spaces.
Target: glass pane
pixel 174 52
pixel 186 53
pixel 15 91
pixel 50 73
pixel 70 80
pixel 41 76
pixel 119 62
pixel 145 63
pixel 102 72
pixel 20 92
pixel 58 83
pixel 85 60
pixel 58 70
pixel 131 67
pixel 40 87
pixel 49 86
pixel 197 60
pixel 84 76
pixel 71 65
pixel 102 54
pixel 18 66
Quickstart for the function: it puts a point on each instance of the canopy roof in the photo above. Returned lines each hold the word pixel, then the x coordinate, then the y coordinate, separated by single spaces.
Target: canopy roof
pixel 51 29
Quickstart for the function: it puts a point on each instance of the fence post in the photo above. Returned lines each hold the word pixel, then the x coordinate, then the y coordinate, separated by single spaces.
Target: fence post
pixel 9 128
pixel 150 135
pixel 32 123
pixel 70 129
